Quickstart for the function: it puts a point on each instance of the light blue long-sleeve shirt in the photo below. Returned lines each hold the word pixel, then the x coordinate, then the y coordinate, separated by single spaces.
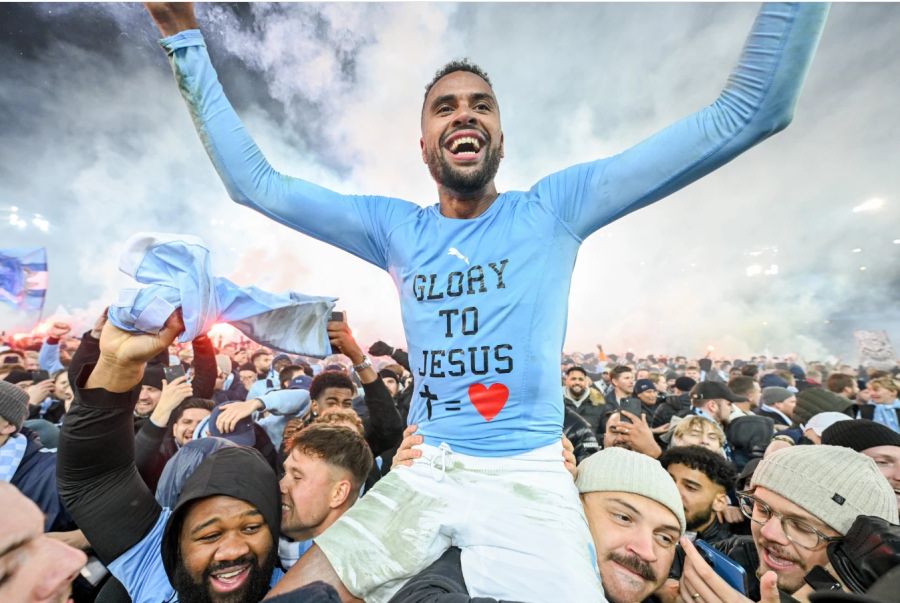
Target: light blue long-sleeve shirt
pixel 485 325
pixel 48 357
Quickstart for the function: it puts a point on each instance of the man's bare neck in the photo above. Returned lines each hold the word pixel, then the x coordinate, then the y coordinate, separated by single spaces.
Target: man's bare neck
pixel 466 206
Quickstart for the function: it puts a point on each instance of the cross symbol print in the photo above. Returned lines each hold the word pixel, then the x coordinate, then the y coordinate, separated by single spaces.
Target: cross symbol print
pixel 429 398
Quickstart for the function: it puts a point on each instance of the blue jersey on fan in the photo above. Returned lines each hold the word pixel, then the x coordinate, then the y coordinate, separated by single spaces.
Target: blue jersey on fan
pixel 484 300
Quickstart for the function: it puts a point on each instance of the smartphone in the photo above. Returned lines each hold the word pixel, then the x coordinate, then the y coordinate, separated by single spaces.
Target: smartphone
pixel 173 372
pixel 632 405
pixel 338 317
pixel 725 568
pixel 39 375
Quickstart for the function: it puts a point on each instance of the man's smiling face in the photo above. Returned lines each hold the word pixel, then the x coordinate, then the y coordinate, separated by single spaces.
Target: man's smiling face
pixel 776 553
pixel 462 143
pixel 226 552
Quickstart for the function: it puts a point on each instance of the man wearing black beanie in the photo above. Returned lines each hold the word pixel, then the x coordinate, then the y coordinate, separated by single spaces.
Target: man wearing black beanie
pixel 880 443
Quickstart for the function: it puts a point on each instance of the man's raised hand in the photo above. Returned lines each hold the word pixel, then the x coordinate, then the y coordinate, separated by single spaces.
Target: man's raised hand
pixel 174 393
pixel 123 354
pixel 58 330
pixel 124 348
pixel 172 17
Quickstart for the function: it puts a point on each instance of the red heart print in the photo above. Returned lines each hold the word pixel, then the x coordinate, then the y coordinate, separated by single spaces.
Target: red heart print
pixel 488 401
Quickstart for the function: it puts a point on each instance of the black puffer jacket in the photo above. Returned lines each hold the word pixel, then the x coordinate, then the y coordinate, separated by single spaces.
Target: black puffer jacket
pixel 674 406
pixel 749 436
pixel 580 433
pixel 591 408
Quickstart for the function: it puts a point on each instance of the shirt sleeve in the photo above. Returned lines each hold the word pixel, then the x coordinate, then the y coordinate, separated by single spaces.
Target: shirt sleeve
pixel 95 471
pixel 48 357
pixel 140 569
pixel 758 101
pixel 286 402
pixel 357 224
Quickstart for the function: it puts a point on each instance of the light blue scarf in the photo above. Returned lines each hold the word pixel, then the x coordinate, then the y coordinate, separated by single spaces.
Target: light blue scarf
pixel 11 455
pixel 886 414
pixel 177 270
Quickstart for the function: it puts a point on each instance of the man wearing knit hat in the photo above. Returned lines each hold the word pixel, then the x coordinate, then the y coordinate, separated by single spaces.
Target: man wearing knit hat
pixel 13 410
pixel 24 462
pixel 800 499
pixel 151 390
pixel 778 403
pixel 635 516
pixel 878 442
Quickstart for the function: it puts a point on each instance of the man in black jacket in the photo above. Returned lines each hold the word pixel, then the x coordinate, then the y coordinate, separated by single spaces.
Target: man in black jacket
pixel 580 397
pixel 218 542
pixel 622 381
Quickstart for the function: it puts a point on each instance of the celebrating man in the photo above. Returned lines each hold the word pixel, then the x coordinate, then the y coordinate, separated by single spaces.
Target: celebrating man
pixel 483 279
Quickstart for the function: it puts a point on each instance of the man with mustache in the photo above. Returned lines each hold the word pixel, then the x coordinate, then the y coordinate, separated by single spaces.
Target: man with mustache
pixel 635 516
pixel 483 278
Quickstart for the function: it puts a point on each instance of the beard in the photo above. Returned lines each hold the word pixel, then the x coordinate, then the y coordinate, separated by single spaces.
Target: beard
pixel 254 589
pixel 467 182
pixel 576 391
pixel 698 519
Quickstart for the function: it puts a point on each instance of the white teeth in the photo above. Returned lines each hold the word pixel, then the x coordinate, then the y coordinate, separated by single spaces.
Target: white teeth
pixel 466 139
pixel 229 575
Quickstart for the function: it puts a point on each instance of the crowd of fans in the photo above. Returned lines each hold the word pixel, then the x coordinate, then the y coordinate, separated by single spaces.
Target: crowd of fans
pixel 661 447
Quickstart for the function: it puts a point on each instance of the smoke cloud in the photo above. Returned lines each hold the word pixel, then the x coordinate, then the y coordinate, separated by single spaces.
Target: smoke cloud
pixel 766 254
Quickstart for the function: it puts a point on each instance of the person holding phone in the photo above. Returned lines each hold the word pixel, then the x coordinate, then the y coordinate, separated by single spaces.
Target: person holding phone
pixel 800 500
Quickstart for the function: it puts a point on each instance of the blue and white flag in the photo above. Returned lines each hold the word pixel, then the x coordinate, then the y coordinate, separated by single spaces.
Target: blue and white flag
pixel 177 270
pixel 23 284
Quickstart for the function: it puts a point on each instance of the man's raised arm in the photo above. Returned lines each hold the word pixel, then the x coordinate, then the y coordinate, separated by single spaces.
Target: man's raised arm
pixel 757 101
pixel 172 17
pixel 353 223
pixel 95 469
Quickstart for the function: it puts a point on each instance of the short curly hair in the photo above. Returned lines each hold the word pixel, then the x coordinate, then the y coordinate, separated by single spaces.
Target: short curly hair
pixel 712 465
pixel 454 66
pixel 327 379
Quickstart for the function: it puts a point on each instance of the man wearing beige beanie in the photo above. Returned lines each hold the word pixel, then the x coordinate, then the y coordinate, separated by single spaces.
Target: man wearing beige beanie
pixel 800 499
pixel 635 516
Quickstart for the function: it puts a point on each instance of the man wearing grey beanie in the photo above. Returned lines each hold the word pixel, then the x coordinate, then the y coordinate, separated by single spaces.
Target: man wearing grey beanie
pixel 800 499
pixel 778 404
pixel 13 409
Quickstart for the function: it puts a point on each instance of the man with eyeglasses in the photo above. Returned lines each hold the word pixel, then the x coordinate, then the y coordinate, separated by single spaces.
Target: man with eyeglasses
pixel 799 500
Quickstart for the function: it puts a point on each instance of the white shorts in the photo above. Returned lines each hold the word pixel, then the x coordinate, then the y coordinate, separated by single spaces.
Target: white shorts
pixel 518 521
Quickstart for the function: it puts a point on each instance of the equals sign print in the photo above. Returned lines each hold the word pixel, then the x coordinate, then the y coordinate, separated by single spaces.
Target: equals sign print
pixel 452 405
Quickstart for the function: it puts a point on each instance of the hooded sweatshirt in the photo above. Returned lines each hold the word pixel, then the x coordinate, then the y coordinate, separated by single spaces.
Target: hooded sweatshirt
pixel 104 493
